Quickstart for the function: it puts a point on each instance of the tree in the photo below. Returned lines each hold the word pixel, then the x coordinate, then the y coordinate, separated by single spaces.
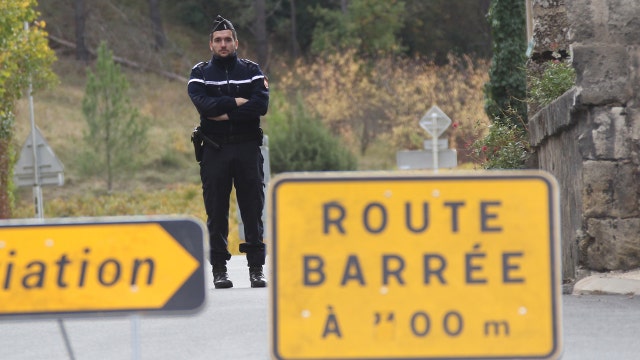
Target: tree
pixel 295 45
pixel 116 136
pixel 156 24
pixel 248 17
pixel 25 60
pixel 303 28
pixel 506 89
pixel 433 28
pixel 260 33
pixel 370 26
pixel 82 53
pixel 295 25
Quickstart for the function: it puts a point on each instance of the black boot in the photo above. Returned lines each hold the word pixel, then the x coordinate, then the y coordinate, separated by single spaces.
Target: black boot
pixel 257 277
pixel 221 278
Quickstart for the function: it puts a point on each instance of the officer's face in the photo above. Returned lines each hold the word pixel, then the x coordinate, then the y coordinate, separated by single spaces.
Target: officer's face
pixel 222 43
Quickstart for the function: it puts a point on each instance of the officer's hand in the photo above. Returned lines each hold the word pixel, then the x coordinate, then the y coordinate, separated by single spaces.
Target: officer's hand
pixel 241 101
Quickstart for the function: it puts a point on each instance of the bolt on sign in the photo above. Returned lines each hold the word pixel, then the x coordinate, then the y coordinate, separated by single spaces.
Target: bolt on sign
pixel 101 265
pixel 410 266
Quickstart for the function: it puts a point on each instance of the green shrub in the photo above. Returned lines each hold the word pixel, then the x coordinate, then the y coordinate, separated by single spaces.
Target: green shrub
pixel 300 142
pixel 506 145
pixel 556 78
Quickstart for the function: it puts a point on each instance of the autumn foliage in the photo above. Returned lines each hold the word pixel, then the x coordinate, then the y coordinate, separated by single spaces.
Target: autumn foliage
pixel 25 61
pixel 383 100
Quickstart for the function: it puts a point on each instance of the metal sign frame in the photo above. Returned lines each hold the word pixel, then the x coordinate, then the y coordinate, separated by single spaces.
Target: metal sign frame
pixel 286 274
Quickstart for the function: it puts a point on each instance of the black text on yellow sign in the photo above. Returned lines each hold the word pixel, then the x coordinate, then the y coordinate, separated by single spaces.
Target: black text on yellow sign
pixel 109 265
pixel 456 267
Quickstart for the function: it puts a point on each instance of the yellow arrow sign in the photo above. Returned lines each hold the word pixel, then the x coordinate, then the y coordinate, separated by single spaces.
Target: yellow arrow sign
pixel 111 264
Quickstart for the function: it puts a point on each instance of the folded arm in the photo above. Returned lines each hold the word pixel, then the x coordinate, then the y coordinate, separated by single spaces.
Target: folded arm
pixel 207 106
pixel 256 105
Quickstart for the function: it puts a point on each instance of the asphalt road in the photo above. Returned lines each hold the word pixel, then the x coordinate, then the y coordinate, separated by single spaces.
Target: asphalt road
pixel 234 325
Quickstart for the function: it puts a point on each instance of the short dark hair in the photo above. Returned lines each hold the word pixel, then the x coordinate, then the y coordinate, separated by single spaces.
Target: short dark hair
pixel 220 24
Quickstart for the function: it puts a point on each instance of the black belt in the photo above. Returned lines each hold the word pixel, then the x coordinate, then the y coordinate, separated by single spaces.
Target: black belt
pixel 235 138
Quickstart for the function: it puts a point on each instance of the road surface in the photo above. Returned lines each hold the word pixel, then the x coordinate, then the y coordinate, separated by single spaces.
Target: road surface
pixel 233 325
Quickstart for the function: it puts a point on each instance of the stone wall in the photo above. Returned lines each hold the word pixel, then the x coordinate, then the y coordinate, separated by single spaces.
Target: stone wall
pixel 590 137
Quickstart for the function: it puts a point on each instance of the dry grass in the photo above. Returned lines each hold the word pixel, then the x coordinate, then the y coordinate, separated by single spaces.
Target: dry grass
pixel 177 199
pixel 163 103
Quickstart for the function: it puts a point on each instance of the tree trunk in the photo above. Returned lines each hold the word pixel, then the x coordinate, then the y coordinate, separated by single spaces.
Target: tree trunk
pixel 82 53
pixel 344 6
pixel 156 24
pixel 262 43
pixel 5 163
pixel 295 46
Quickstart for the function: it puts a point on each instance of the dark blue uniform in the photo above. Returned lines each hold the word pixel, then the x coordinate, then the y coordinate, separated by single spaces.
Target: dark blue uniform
pixel 213 87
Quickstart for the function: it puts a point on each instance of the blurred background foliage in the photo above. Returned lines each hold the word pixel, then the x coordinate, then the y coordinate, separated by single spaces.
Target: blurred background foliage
pixel 349 79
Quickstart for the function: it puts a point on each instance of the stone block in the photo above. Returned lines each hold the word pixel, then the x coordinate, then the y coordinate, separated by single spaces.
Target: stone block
pixel 610 190
pixel 602 74
pixel 598 179
pixel 634 78
pixel 611 135
pixel 581 16
pixel 611 244
pixel 552 118
pixel 623 23
pixel 634 130
pixel 612 22
pixel 585 137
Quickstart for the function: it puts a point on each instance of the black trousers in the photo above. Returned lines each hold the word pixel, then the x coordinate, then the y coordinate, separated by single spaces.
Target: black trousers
pixel 241 166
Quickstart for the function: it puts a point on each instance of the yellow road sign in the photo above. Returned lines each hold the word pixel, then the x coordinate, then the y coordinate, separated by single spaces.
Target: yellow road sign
pixel 101 265
pixel 389 266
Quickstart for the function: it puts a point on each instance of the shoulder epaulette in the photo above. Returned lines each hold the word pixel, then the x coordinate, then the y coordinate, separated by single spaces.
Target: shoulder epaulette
pixel 249 62
pixel 200 64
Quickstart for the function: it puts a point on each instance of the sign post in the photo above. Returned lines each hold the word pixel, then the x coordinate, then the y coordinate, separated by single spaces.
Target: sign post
pixel 434 147
pixel 101 265
pixel 435 122
pixel 410 266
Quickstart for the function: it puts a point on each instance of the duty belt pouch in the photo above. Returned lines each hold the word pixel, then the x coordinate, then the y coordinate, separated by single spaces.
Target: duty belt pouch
pixel 197 143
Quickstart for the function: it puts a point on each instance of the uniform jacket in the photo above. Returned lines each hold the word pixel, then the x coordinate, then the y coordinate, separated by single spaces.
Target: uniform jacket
pixel 213 87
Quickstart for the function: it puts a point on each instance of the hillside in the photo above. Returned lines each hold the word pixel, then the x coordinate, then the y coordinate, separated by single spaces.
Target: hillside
pixel 161 101
pixel 168 182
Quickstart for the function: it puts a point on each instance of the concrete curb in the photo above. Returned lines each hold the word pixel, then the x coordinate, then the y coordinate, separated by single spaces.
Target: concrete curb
pixel 624 283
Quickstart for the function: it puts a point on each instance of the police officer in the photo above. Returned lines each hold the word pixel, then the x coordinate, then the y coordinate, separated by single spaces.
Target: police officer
pixel 230 95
